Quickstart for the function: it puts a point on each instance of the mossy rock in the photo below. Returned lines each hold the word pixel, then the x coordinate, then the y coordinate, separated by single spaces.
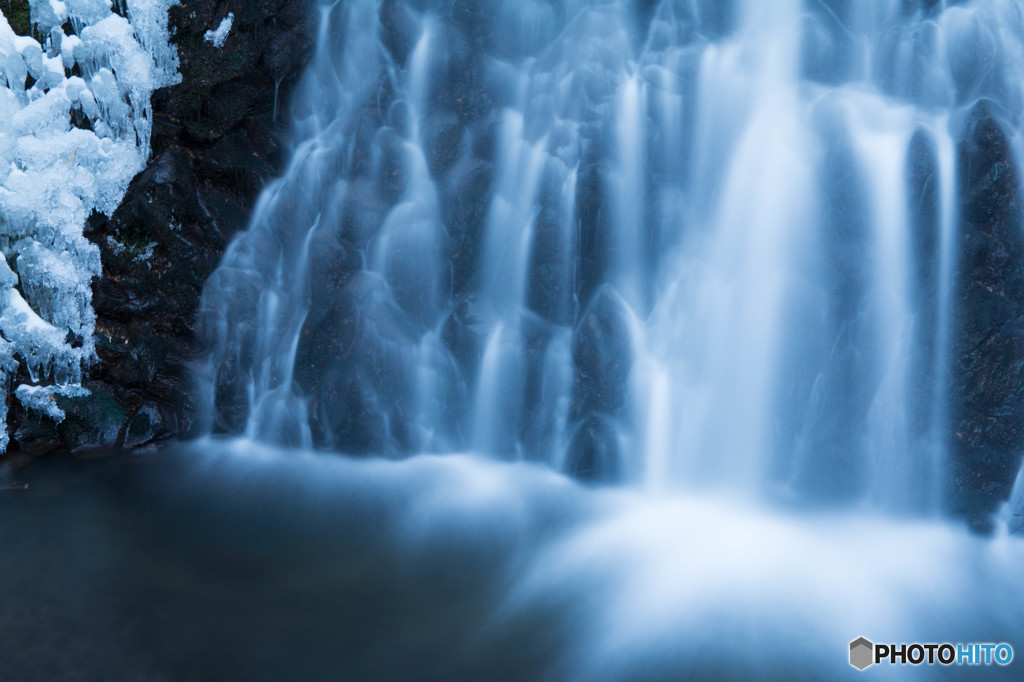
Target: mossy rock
pixel 18 16
pixel 92 421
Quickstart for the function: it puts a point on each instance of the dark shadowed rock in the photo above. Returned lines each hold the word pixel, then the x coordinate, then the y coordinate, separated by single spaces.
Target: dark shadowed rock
pixel 602 353
pixel 18 16
pixel 465 213
pixel 465 333
pixel 215 143
pixel 594 451
pixel 594 229
pixel 399 29
pixel 988 378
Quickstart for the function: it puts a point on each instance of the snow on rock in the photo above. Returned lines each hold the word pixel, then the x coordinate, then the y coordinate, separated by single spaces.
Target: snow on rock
pixel 43 399
pixel 69 146
pixel 220 34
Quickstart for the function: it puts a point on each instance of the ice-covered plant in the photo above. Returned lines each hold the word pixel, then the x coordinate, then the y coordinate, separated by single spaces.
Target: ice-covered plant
pixel 75 125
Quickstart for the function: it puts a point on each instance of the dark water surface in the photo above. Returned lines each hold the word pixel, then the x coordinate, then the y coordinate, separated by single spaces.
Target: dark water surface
pixel 118 569
pixel 227 560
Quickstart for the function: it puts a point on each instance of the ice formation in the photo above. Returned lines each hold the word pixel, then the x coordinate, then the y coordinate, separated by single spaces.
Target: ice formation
pixel 75 102
pixel 43 399
pixel 220 34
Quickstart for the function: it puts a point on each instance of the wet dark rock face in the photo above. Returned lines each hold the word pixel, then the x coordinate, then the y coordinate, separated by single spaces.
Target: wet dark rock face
pixel 603 358
pixel 216 141
pixel 988 375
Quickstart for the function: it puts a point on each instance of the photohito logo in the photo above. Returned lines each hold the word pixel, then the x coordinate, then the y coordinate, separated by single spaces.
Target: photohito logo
pixel 864 653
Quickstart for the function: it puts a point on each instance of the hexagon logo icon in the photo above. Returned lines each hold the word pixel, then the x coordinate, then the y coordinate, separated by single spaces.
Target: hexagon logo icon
pixel 862 653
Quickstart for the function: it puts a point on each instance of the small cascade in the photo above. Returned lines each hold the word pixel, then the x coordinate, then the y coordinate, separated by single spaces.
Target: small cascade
pixel 677 244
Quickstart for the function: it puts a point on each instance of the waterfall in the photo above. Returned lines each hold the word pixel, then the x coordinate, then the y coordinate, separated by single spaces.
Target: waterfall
pixel 679 244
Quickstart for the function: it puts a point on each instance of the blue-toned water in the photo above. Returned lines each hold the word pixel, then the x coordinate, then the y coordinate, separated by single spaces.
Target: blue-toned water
pixel 673 244
pixel 701 253
pixel 236 561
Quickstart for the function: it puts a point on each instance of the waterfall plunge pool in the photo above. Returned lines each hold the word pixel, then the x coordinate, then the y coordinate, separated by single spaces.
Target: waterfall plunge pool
pixel 230 560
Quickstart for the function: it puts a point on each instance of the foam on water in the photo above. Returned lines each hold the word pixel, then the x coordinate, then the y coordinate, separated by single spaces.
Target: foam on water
pixel 675 245
pixel 645 585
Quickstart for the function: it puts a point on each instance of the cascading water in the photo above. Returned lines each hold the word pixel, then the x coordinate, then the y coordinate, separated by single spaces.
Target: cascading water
pixel 685 245
pixel 681 243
